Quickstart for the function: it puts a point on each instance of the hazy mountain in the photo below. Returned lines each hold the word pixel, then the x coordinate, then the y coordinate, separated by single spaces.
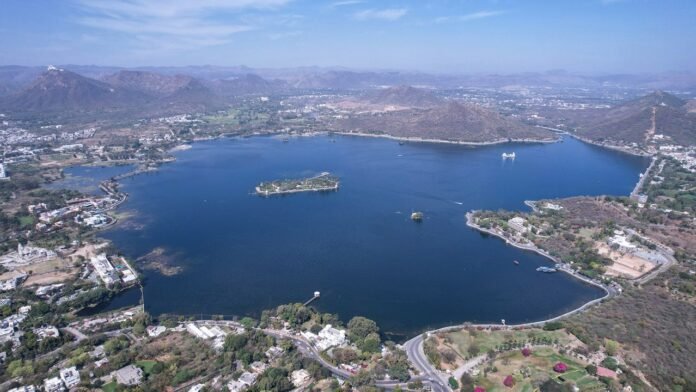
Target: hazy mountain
pixel 193 96
pixel 60 90
pixel 452 121
pixel 148 82
pixel 404 96
pixel 248 84
pixel 637 120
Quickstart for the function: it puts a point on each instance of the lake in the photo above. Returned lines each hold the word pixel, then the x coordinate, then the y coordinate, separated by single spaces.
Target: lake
pixel 241 253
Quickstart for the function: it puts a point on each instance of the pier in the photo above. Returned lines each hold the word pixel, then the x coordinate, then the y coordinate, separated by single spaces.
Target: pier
pixel 315 297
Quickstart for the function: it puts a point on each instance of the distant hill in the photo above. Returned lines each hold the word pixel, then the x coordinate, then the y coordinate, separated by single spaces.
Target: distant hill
pixel 249 84
pixel 60 90
pixel 637 120
pixel 153 84
pixel 404 96
pixel 193 96
pixel 452 121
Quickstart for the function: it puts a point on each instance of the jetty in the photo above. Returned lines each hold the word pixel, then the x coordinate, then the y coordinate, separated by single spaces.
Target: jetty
pixel 322 183
pixel 315 297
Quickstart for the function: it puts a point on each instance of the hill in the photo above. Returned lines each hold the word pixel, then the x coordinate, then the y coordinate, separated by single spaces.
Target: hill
pixel 193 96
pixel 147 82
pixel 638 120
pixel 453 121
pixel 404 96
pixel 249 84
pixel 61 90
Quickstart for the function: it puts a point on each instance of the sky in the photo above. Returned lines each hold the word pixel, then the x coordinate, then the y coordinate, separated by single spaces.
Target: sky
pixel 451 36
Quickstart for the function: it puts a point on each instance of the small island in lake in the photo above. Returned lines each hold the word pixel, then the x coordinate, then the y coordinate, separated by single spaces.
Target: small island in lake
pixel 323 182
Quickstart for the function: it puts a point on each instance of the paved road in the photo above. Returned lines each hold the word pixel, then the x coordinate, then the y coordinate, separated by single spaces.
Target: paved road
pixel 414 351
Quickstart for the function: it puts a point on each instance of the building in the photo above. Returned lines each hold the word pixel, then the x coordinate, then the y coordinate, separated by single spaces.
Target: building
pixel 70 377
pixel 23 388
pixel 518 224
pixel 155 331
pixel 104 269
pixel 3 173
pixel 326 338
pixel 54 384
pixel 299 378
pixel 128 375
pixel 47 332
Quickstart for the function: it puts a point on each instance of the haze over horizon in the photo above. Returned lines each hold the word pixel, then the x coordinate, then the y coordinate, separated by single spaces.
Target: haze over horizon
pixel 592 36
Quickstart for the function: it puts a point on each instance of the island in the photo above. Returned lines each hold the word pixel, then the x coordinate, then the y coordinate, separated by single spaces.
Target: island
pixel 322 183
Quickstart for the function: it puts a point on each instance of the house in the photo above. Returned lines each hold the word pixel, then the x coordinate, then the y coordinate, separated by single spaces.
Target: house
pixel 128 375
pixel 299 378
pixel 155 331
pixel 23 388
pixel 46 332
pixel 518 224
pixel 54 384
pixel 70 377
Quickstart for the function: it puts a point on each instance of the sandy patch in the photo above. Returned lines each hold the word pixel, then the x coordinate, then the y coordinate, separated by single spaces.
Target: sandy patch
pixel 625 265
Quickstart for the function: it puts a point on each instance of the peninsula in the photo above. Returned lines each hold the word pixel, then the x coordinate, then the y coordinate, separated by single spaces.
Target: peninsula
pixel 321 183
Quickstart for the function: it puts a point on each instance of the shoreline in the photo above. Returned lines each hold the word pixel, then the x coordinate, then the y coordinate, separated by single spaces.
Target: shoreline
pixel 416 139
pixel 533 248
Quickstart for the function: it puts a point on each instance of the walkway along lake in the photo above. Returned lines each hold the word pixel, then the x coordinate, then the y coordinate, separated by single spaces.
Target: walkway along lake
pixel 241 253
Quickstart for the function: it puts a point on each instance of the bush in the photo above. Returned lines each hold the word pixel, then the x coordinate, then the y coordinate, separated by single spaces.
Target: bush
pixel 553 326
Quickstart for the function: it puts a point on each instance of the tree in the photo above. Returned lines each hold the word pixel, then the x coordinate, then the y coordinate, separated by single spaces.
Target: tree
pixel 371 343
pixel 359 327
pixel 235 342
pixel 611 347
pixel 473 349
pixel 467 382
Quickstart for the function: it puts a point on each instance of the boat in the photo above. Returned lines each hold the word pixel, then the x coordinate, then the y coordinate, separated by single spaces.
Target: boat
pixel 417 216
pixel 508 155
pixel 546 269
pixel 515 262
pixel 401 143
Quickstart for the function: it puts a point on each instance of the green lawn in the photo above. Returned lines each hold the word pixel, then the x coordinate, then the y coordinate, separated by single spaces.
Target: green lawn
pixel 110 387
pixel 26 221
pixel 461 340
pixel 146 365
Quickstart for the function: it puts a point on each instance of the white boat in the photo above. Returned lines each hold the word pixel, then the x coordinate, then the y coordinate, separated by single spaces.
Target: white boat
pixel 507 155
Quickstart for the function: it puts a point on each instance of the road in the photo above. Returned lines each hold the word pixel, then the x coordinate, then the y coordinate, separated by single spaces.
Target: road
pixel 415 353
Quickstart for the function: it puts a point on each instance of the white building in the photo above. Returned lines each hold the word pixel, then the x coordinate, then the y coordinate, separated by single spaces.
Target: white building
pixel 155 331
pixel 23 388
pixel 104 269
pixel 326 338
pixel 70 377
pixel 46 332
pixel 299 378
pixel 128 375
pixel 54 384
pixel 518 224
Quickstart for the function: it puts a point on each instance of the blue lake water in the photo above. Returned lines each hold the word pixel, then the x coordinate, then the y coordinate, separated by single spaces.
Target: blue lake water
pixel 242 253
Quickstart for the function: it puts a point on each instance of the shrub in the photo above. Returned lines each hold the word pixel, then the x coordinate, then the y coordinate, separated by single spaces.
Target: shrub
pixel 509 381
pixel 526 352
pixel 560 367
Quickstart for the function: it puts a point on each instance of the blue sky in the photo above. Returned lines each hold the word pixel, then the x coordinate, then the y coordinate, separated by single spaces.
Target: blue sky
pixel 441 36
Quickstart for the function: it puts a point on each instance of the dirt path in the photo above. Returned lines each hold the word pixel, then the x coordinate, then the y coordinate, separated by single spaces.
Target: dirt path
pixel 651 131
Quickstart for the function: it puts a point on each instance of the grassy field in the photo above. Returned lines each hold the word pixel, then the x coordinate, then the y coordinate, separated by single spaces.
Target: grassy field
pixel 110 387
pixel 535 369
pixel 462 340
pixel 146 365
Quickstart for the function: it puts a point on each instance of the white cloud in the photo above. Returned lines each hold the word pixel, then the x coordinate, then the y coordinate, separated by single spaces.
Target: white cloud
pixel 468 17
pixel 191 23
pixel 346 2
pixel 283 35
pixel 383 14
